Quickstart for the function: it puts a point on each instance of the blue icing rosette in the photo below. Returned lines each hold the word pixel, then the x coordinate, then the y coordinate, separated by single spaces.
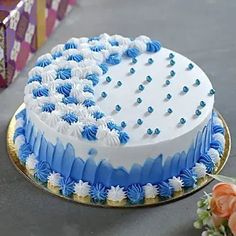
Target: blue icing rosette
pixel 19 131
pixel 124 137
pixel 208 162
pixel 135 193
pixel 48 107
pixel 64 73
pixel 153 46
pixel 70 118
pixel 24 152
pixel 165 190
pixel 42 170
pixel 75 57
pixel 98 192
pixel 67 186
pixel 188 178
pixel 89 132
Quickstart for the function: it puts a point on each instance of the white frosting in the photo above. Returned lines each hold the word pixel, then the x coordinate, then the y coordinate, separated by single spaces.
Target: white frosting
pixel 31 162
pixel 82 189
pixel 214 154
pixel 219 137
pixel 54 179
pixel 20 140
pixel 176 183
pixel 116 194
pixel 150 190
pixel 217 121
pixel 200 170
pixel 19 123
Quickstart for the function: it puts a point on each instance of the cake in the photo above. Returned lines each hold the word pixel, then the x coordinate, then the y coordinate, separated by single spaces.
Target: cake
pixel 110 119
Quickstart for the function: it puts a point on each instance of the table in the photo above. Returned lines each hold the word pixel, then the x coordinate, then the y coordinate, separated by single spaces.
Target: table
pixel 203 31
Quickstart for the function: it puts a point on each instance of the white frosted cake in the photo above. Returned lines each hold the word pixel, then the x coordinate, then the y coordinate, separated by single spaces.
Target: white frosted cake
pixel 113 119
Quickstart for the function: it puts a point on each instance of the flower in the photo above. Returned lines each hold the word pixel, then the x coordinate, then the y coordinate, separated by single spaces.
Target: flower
pixel 223 201
pixel 232 223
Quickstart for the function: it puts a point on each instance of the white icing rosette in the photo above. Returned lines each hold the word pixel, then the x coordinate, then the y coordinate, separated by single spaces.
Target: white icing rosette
pixel 19 141
pixel 116 194
pixel 200 170
pixel 54 179
pixel 110 137
pixel 176 183
pixel 82 189
pixel 151 191
pixel 220 138
pixel 214 155
pixel 31 162
pixel 76 129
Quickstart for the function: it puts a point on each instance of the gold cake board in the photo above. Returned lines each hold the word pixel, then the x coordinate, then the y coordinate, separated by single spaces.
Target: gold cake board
pixel 150 202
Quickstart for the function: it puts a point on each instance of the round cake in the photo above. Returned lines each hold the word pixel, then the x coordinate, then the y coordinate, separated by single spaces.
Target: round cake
pixel 113 119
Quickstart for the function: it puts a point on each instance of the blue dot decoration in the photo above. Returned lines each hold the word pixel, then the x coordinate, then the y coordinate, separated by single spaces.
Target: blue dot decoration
pixel 139 121
pixel 148 78
pixel 150 109
pixel 172 62
pixel 167 82
pixel 190 66
pixel 171 56
pixel 182 121
pixel 118 108
pixel 202 104
pixel 132 70
pixel 172 73
pixel 108 79
pixel 212 92
pixel 134 60
pixel 149 131
pixel 168 96
pixel 140 87
pixel 198 112
pixel 123 124
pixel 119 83
pixel 185 89
pixel 169 110
pixel 139 100
pixel 157 131
pixel 103 94
pixel 150 61
pixel 197 82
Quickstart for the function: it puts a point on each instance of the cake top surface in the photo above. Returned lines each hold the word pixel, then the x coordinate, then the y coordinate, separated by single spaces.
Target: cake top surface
pixel 114 91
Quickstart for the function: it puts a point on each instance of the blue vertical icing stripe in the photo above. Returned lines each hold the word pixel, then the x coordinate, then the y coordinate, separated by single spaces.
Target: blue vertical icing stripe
pixel 50 153
pixel 77 169
pixel 57 157
pixel 146 170
pixel 67 161
pixel 167 168
pixel 174 171
pixel 190 157
pixel 28 130
pixel 135 174
pixel 156 176
pixel 37 145
pixel 89 171
pixel 119 176
pixel 103 173
pixel 43 150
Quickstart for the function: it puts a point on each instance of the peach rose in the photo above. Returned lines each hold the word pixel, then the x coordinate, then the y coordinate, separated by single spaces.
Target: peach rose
pixel 232 223
pixel 223 202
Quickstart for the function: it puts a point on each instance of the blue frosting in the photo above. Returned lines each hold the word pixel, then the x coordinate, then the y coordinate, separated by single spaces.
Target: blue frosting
pixel 94 38
pixel 75 57
pixel 111 126
pixel 89 132
pixel 97 48
pixel 69 100
pixel 19 131
pixel 135 193
pixel 69 45
pixel 70 118
pixel 114 43
pixel 64 73
pixel 188 178
pixel 41 91
pixel 42 170
pixel 218 129
pixel 165 190
pixel 24 152
pixel 124 137
pixel 43 63
pixel 207 161
pixel 113 59
pixel 98 115
pixel 92 152
pixel 64 89
pixel 98 192
pixel 48 107
pixel 153 46
pixel 104 68
pixel 56 55
pixel 88 103
pixel 132 52
pixel 67 186
pixel 217 145
pixel 94 78
pixel 35 78
pixel 88 89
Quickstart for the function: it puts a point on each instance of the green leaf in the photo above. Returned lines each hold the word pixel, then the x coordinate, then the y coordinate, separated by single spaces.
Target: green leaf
pixel 223 178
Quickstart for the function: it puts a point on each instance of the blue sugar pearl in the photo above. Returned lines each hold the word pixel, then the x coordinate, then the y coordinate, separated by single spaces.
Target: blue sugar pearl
pixel 134 60
pixel 139 100
pixel 202 104
pixel 157 131
pixel 197 82
pixel 190 66
pixel 118 108
pixel 149 78
pixel 108 79
pixel 172 73
pixel 103 94
pixel 123 124
pixel 169 110
pixel 167 82
pixel 150 109
pixel 140 87
pixel 119 83
pixel 150 61
pixel 185 89
pixel 149 131
pixel 212 92
pixel 168 96
pixel 198 112
pixel 139 121
pixel 171 55
pixel 132 70
pixel 182 121
pixel 172 62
